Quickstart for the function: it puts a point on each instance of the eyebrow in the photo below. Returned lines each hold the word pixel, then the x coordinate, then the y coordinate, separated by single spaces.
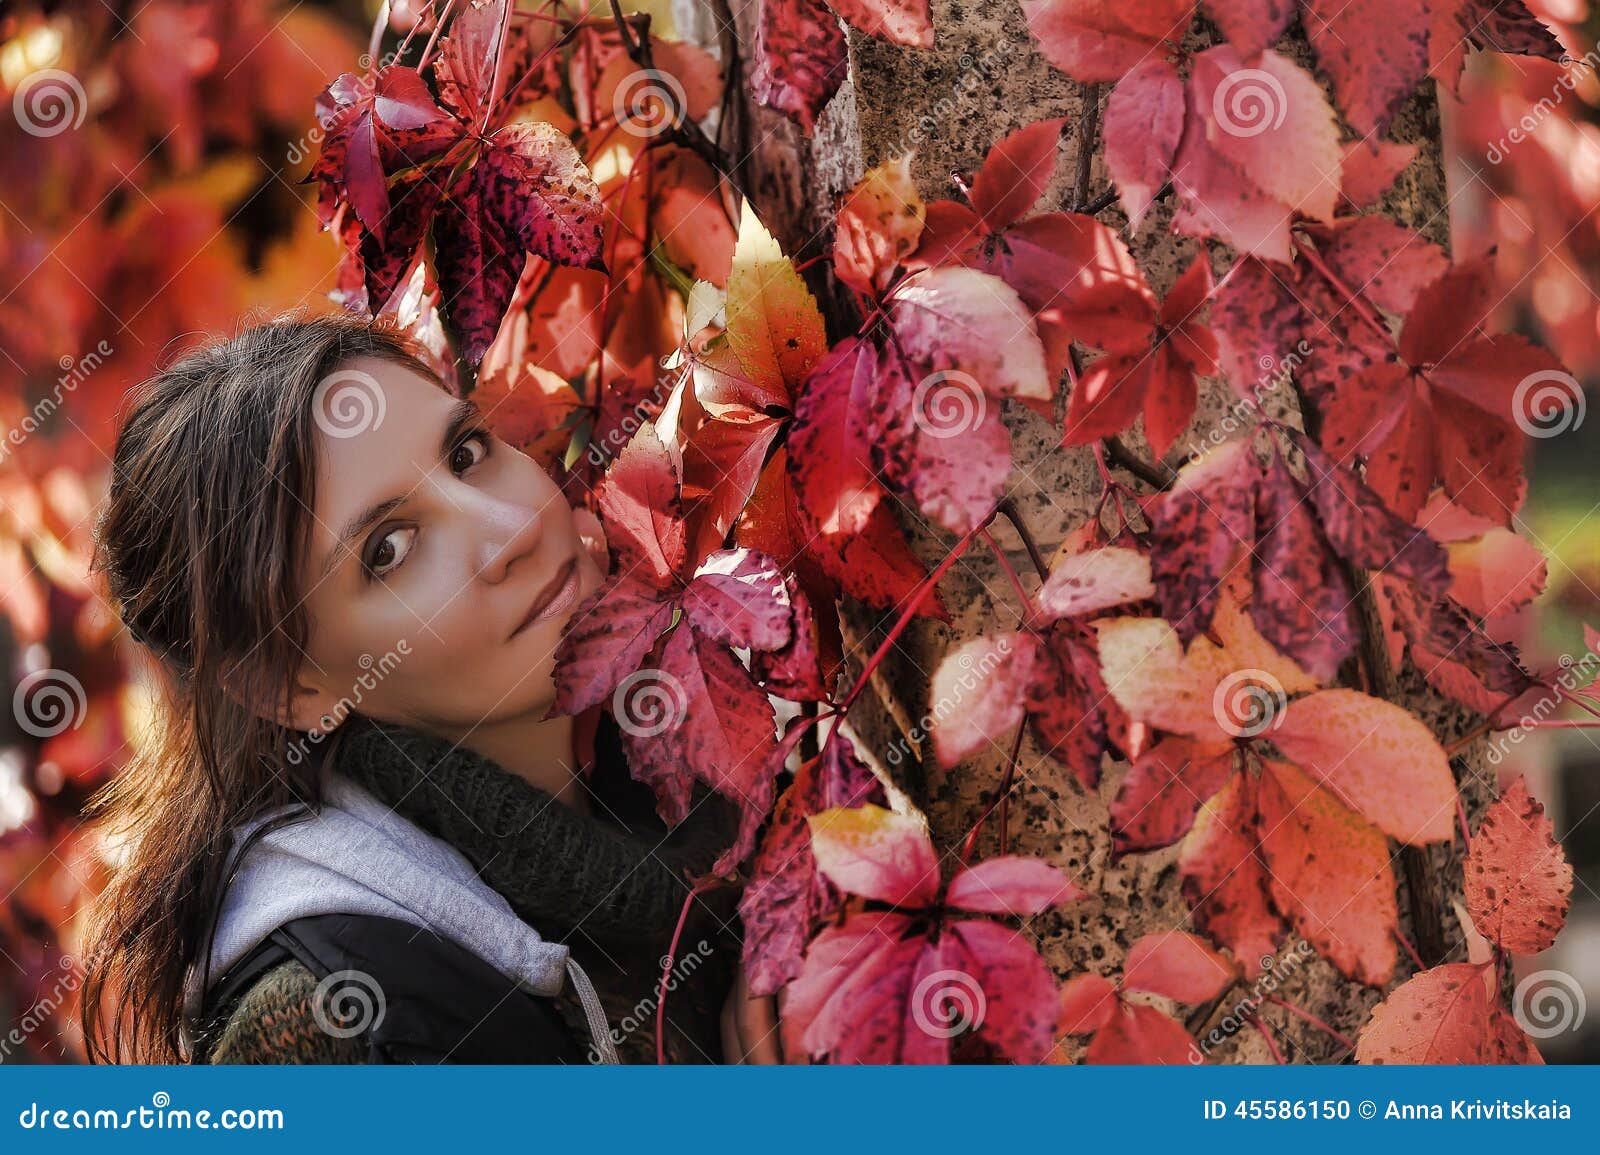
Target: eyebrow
pixel 463 413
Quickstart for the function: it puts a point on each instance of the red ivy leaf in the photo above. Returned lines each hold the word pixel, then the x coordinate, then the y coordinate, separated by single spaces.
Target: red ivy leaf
pixel 1518 881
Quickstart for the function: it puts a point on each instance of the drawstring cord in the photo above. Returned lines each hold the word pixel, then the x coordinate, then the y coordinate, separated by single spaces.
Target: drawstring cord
pixel 599 1028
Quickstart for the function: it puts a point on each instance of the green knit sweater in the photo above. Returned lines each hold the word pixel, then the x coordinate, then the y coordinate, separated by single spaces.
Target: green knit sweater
pixel 611 885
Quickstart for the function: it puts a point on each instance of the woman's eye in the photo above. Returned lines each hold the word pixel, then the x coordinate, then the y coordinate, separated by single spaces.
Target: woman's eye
pixel 481 437
pixel 387 555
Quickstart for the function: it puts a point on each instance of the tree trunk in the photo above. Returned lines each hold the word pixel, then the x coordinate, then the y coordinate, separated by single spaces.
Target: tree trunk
pixel 949 104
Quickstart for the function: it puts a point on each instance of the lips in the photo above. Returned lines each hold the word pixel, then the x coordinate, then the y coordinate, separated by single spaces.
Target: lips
pixel 553 598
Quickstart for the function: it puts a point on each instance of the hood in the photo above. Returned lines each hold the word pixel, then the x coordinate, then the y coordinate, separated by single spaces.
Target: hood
pixel 356 856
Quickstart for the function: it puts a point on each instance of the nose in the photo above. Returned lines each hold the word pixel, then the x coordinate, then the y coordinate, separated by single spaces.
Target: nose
pixel 515 532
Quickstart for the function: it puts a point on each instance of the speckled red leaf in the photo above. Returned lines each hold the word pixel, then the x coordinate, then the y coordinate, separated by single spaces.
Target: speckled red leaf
pixel 1455 656
pixel 1374 51
pixel 1328 871
pixel 739 598
pixel 1087 1003
pixel 1015 173
pixel 880 225
pixel 875 853
pixel 1097 40
pixel 831 439
pixel 786 894
pixel 1304 602
pixel 643 511
pixel 994 982
pixel 1011 884
pixel 1164 790
pixel 897 21
pixel 941 440
pixel 850 999
pixel 1497 25
pixel 1251 25
pixel 1176 965
pixel 721 724
pixel 1199 529
pixel 1363 531
pixel 800 57
pixel 605 640
pixel 1143 1035
pixel 1225 880
pixel 1069 708
pixel 985 680
pixel 794 670
pixel 1377 758
pixel 528 192
pixel 961 320
pixel 1518 881
pixel 1093 581
pixel 1143 124
pixel 1443 1015
pixel 1370 168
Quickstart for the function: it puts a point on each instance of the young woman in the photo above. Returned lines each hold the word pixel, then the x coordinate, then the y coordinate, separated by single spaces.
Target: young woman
pixel 352 836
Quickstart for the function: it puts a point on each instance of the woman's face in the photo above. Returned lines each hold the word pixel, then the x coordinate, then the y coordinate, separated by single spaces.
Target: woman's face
pixel 432 541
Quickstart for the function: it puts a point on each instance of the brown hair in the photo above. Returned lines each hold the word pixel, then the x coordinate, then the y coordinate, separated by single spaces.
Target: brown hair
pixel 200 539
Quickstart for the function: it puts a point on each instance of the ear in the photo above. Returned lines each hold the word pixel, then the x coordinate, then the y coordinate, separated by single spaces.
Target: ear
pixel 308 710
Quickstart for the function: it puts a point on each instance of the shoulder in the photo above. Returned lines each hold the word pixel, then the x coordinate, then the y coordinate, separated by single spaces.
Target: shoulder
pixel 279 1020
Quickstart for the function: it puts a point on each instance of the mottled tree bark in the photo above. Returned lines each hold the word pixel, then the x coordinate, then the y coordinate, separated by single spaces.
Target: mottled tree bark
pixel 983 79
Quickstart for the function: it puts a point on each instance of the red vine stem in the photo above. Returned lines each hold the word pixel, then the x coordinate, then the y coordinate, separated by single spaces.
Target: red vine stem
pixel 1363 310
pixel 666 969
pixel 1002 792
pixel 917 598
pixel 1301 1012
pixel 1010 572
pixel 1411 950
pixel 1272 1044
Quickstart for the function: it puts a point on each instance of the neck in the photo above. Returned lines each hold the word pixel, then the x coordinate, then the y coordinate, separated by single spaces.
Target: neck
pixel 539 752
